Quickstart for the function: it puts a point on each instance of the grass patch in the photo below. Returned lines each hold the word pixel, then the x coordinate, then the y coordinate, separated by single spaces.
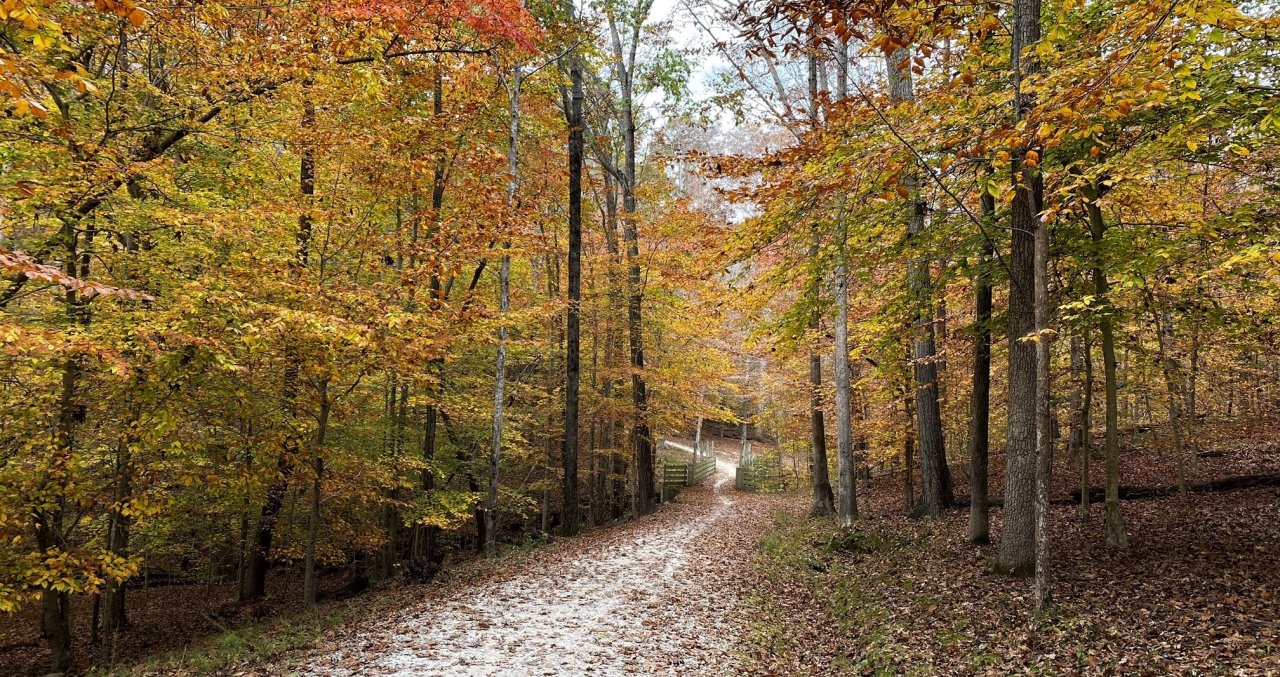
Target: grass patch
pixel 817 563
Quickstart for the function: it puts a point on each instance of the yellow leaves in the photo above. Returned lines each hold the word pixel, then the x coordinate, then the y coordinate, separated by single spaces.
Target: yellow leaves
pixel 1046 334
pixel 137 17
pixel 1192 145
pixel 29 107
pixel 1002 157
pixel 1242 151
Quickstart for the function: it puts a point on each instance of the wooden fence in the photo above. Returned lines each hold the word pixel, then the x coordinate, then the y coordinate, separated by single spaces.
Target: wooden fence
pixel 688 474
pixel 758 475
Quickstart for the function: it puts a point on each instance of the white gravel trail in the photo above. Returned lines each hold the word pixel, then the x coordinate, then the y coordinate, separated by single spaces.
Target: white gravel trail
pixel 609 609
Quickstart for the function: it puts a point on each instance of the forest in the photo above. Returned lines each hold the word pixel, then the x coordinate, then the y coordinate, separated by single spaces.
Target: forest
pixel 639 337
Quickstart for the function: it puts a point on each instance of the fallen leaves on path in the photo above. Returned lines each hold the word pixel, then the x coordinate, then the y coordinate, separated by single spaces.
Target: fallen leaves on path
pixel 657 595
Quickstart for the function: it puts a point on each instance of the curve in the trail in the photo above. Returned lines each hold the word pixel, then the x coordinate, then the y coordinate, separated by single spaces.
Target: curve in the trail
pixel 602 610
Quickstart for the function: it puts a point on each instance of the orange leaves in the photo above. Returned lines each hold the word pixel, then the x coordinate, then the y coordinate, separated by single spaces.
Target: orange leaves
pixel 492 21
pixel 17 262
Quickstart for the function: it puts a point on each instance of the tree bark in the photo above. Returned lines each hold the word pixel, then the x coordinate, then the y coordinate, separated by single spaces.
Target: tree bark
pixel 1044 415
pixel 1117 537
pixel 1084 414
pixel 1169 369
pixel 980 400
pixel 624 69
pixel 309 584
pixel 490 521
pixel 1017 541
pixel 113 592
pixel 935 477
pixel 573 359
pixel 847 508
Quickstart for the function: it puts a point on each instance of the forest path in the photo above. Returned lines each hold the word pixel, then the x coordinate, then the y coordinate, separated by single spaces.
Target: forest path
pixel 655 596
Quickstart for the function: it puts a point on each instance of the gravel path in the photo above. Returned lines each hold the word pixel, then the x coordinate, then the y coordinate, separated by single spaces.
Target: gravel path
pixel 655 596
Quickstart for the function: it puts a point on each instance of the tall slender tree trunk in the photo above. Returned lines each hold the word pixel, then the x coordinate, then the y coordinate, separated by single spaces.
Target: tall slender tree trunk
pixel 847 507
pixel 118 523
pixel 823 497
pixel 573 359
pixel 1044 415
pixel 1193 373
pixel 1169 369
pixel 641 438
pixel 260 560
pixel 1117 537
pixel 1018 539
pixel 310 587
pixel 424 550
pixel 980 400
pixel 908 443
pixel 55 605
pixel 935 477
pixel 1084 413
pixel 490 538
pixel 616 465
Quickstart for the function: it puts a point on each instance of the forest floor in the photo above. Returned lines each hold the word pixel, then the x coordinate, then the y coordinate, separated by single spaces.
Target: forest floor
pixel 1196 593
pixel 722 582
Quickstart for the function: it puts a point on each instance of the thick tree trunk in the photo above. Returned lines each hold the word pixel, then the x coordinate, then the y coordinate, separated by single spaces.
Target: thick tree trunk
pixel 935 476
pixel 823 498
pixel 641 438
pixel 1017 541
pixel 980 400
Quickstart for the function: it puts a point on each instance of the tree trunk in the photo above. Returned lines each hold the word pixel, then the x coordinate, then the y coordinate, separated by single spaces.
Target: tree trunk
pixel 573 360
pixel 118 522
pixel 309 584
pixel 1017 541
pixel 908 445
pixel 1169 369
pixel 823 498
pixel 935 477
pixel 425 537
pixel 260 561
pixel 1116 534
pixel 847 508
pixel 1085 443
pixel 490 518
pixel 980 400
pixel 616 467
pixel 1044 415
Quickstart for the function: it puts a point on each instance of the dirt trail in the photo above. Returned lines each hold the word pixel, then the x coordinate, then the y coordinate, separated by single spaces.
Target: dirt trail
pixel 654 596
